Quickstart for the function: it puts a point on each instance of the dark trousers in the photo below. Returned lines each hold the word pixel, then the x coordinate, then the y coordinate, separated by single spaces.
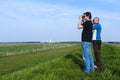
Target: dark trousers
pixel 97 52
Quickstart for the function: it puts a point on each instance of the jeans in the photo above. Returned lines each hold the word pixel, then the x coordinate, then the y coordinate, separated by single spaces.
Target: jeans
pixel 87 56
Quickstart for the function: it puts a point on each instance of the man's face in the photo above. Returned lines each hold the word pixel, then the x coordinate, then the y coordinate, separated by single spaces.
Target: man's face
pixel 86 17
pixel 96 20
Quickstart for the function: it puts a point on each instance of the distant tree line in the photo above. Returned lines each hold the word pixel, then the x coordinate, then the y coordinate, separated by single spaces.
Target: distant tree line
pixel 53 42
pixel 114 42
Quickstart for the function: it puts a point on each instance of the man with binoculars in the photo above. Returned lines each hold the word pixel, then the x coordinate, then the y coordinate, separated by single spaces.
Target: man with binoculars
pixel 85 23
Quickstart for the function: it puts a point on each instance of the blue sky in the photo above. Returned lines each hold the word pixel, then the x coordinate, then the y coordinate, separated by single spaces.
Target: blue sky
pixel 56 20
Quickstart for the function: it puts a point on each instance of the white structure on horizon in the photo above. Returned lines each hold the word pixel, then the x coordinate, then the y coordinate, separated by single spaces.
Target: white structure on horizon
pixel 50 41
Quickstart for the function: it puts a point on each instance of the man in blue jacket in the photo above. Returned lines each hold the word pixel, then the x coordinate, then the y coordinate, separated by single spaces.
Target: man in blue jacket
pixel 97 41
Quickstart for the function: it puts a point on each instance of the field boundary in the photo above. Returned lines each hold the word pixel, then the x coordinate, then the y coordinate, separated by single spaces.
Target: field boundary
pixel 44 48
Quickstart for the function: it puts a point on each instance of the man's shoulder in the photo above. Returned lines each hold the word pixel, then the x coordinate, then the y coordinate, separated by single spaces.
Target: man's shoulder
pixel 88 22
pixel 97 25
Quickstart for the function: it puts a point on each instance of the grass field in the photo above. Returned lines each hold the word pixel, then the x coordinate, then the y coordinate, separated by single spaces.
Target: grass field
pixel 62 63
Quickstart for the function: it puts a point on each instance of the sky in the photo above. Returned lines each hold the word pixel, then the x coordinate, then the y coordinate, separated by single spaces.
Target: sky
pixel 55 20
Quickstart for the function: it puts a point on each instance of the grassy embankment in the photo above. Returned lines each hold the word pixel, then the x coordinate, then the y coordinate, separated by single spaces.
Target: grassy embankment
pixel 59 64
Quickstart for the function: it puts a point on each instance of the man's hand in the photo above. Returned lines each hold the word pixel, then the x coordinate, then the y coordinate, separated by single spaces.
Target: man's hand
pixel 80 17
pixel 80 26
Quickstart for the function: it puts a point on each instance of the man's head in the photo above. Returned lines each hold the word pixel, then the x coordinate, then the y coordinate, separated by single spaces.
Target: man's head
pixel 96 20
pixel 87 15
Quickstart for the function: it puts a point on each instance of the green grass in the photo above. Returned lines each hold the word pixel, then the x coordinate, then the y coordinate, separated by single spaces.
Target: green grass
pixel 13 49
pixel 60 64
pixel 18 47
pixel 16 62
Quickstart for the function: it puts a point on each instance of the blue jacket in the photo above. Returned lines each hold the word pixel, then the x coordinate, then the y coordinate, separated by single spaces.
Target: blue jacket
pixel 97 32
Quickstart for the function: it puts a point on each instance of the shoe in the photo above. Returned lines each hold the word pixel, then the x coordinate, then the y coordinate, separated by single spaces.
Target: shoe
pixel 95 66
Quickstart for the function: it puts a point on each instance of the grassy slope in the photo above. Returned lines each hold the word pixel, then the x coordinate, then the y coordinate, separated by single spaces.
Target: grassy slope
pixel 17 62
pixel 66 64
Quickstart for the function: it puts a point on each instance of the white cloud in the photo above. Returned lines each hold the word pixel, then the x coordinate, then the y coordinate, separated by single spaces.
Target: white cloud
pixel 36 11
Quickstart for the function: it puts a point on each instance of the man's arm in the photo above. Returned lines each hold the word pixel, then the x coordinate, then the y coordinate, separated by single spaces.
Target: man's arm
pixel 80 26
